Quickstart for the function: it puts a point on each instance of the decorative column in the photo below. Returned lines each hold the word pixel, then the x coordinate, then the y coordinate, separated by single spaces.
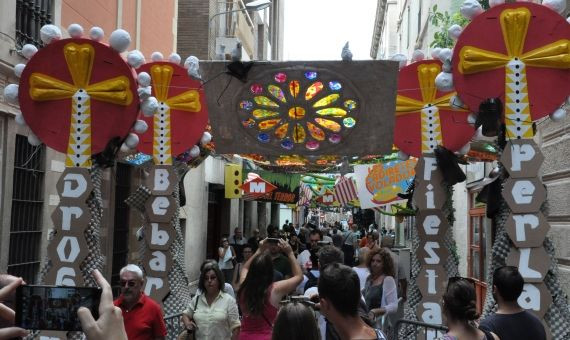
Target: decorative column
pixel 524 60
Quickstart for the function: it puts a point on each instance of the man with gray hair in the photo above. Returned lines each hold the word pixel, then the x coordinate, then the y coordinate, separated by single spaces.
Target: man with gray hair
pixel 142 315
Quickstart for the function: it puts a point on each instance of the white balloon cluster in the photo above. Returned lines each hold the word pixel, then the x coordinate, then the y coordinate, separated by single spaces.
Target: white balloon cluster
pixel 444 80
pixel 470 9
pixel 418 55
pixel 192 63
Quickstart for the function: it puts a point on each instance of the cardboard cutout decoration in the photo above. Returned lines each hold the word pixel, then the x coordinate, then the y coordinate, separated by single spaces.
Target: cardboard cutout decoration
pixel 76 95
pixel 379 184
pixel 256 187
pixel 182 114
pixel 303 108
pixel 425 117
pixel 524 59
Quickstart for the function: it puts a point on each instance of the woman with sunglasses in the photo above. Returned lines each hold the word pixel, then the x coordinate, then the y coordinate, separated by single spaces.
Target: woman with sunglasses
pixel 259 296
pixel 460 312
pixel 213 314
pixel 380 291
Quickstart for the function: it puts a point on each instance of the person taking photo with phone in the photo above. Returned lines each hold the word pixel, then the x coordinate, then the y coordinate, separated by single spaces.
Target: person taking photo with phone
pixel 258 296
pixel 142 316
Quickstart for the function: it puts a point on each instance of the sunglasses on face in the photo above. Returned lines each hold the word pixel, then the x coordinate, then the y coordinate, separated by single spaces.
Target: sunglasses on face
pixel 128 283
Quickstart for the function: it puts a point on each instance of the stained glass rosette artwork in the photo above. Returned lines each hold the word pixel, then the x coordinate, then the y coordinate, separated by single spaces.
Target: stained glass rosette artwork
pixel 424 116
pixel 76 95
pixel 524 59
pixel 182 114
pixel 299 109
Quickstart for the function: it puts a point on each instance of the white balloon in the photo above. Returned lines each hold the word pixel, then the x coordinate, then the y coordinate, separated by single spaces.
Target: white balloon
pixel 471 118
pixel 18 69
pixel 454 31
pixel 143 79
pixel 470 9
pixel 446 66
pixel 558 6
pixel 28 51
pixel 401 58
pixel 156 56
pixel 465 149
pixel 50 33
pixel 174 58
pixel 445 55
pixel 144 92
pixel 493 3
pixel 19 118
pixel 195 151
pixel 120 40
pixel 75 31
pixel 403 156
pixel 33 139
pixel 11 93
pixel 444 82
pixel 132 141
pixel 558 115
pixel 149 106
pixel 435 53
pixel 135 58
pixel 418 55
pixel 206 138
pixel 96 33
pixel 140 126
pixel 125 148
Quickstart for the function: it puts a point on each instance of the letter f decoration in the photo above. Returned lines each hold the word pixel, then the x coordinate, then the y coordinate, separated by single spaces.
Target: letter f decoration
pixel 424 116
pixel 529 43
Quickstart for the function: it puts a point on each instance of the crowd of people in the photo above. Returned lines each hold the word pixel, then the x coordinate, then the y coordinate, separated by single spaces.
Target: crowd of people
pixel 305 283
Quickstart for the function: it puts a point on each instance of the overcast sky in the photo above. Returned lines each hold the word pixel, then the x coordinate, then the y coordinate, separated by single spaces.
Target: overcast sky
pixel 318 29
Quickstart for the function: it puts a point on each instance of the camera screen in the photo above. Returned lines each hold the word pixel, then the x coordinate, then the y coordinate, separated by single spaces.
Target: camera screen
pixel 54 308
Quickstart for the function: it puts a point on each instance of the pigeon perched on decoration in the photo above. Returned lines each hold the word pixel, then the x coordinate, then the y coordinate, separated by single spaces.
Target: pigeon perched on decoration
pixel 236 53
pixel 346 55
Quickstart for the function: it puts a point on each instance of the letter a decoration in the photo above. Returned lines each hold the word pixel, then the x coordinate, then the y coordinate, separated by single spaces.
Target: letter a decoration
pixel 76 95
pixel 177 125
pixel 524 59
pixel 425 119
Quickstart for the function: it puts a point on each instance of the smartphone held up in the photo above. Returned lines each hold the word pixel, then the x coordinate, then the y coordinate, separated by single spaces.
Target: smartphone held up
pixel 54 308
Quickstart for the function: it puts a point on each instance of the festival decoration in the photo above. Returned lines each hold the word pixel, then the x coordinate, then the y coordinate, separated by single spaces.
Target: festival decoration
pixel 520 63
pixel 424 116
pixel 170 130
pixel 286 186
pixel 256 187
pixel 525 63
pixel 429 125
pixel 79 97
pixel 181 117
pixel 379 184
pixel 232 181
pixel 296 108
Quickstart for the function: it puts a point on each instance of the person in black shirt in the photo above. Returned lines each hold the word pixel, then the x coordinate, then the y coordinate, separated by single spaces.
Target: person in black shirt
pixel 511 321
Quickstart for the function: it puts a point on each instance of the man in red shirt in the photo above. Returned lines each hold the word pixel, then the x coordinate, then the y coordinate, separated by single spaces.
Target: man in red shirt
pixel 141 314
